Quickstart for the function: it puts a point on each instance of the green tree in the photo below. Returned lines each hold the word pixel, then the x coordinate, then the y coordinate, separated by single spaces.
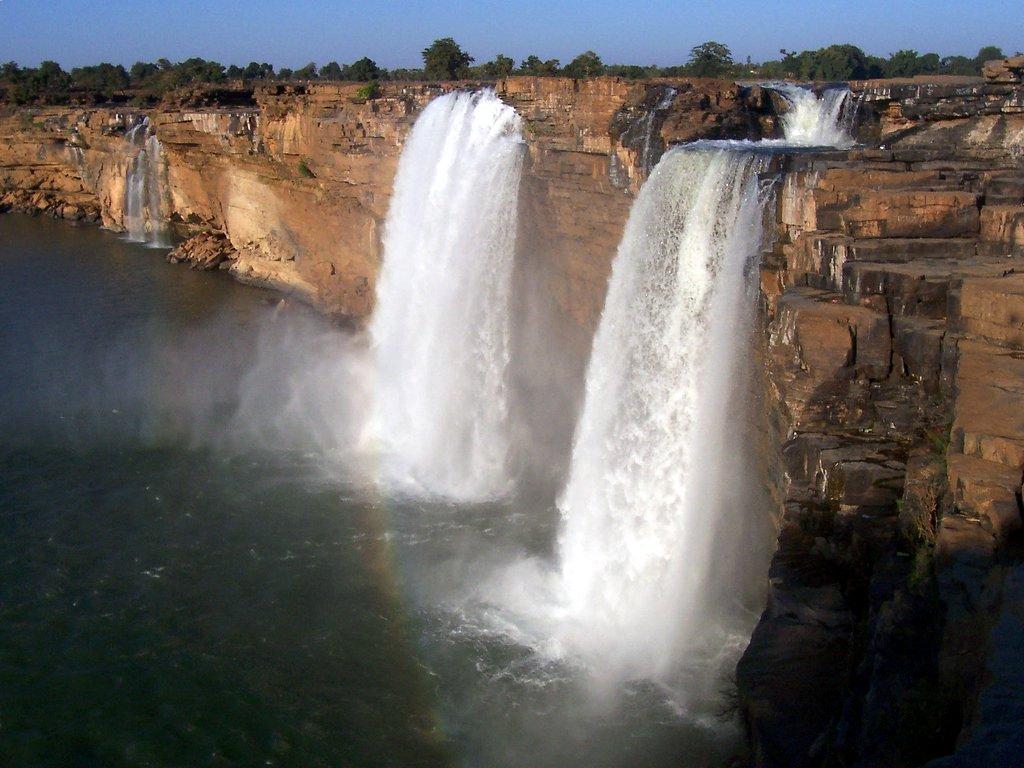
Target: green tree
pixel 364 70
pixel 102 78
pixel 631 71
pixel 587 64
pixel 445 60
pixel 197 70
pixel 51 76
pixel 307 72
pixel 532 65
pixel 710 59
pixel 835 62
pixel 902 64
pixel 958 65
pixel 331 71
pixel 142 71
pixel 285 73
pixel 989 53
pixel 502 66
pixel 407 74
pixel 257 71
pixel 929 64
pixel 47 83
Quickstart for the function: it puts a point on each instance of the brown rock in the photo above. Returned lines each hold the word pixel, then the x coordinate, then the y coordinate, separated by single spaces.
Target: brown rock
pixel 205 251
pixel 1009 70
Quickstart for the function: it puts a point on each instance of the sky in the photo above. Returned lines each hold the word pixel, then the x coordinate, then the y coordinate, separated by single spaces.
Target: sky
pixel 292 33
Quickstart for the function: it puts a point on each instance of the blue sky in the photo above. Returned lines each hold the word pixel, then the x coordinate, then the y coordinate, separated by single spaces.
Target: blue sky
pixel 76 32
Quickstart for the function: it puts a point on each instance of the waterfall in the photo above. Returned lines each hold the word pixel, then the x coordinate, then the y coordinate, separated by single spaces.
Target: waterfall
pixel 653 457
pixel 154 157
pixel 647 152
pixel 661 464
pixel 143 191
pixel 440 330
pixel 824 120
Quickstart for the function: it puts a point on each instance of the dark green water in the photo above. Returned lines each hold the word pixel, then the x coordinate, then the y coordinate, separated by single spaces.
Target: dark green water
pixel 178 590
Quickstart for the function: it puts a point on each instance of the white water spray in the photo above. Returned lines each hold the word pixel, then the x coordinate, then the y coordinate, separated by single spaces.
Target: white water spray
pixel 655 453
pixel 143 192
pixel 440 331
pixel 824 120
pixel 661 459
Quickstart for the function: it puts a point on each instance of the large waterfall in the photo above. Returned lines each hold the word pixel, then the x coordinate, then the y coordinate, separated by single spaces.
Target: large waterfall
pixel 655 454
pixel 661 464
pixel 440 331
pixel 143 191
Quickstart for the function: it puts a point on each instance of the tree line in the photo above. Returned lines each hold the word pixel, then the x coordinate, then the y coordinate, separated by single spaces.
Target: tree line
pixel 445 59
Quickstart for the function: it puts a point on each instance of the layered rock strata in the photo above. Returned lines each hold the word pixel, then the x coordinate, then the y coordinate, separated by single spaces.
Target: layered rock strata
pixel 895 310
pixel 893 344
pixel 298 177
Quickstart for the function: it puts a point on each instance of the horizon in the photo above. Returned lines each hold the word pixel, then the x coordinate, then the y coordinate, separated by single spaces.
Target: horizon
pixel 288 36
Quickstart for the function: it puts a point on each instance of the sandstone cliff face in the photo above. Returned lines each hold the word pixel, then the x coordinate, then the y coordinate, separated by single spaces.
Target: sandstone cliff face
pixel 893 327
pixel 298 177
pixel 893 342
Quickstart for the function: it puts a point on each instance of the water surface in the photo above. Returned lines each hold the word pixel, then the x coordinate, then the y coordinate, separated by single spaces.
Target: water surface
pixel 176 592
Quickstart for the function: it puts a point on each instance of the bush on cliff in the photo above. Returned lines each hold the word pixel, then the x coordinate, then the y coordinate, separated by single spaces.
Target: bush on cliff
pixel 369 91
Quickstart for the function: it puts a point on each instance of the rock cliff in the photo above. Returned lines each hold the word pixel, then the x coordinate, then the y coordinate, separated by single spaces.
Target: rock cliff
pixel 298 177
pixel 893 365
pixel 893 323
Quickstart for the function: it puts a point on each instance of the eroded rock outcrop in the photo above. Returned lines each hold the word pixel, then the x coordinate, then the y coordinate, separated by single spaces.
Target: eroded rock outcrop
pixel 894 343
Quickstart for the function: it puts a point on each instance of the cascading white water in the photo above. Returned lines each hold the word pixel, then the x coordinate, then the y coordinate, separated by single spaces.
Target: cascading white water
pixel 660 455
pixel 823 120
pixel 647 153
pixel 135 183
pixel 652 460
pixel 143 190
pixel 440 331
pixel 154 189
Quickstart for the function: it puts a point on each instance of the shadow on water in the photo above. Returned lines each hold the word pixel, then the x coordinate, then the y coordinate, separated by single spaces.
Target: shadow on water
pixel 187 577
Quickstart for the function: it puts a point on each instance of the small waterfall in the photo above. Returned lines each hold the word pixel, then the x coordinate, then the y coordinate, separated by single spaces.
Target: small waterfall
pixel 154 188
pixel 143 191
pixel 440 331
pixel 647 152
pixel 655 453
pixel 824 120
pixel 640 125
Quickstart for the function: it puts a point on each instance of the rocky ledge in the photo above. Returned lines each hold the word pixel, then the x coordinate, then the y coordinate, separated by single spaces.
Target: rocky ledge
pixel 894 335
